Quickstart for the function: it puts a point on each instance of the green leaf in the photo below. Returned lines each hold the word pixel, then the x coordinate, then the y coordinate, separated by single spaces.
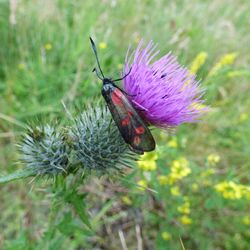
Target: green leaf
pixel 68 226
pixel 17 175
pixel 76 200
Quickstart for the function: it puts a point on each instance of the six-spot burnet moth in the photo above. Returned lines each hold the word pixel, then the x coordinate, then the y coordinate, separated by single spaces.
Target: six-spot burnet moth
pixel 131 126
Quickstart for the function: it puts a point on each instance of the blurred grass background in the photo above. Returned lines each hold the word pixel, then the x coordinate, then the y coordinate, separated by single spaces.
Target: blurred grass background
pixel 45 57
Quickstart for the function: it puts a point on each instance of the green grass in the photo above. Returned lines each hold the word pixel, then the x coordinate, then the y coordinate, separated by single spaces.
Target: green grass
pixel 34 80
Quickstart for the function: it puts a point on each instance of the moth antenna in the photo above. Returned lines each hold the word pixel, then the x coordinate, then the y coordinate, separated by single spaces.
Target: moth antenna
pixel 94 70
pixel 116 80
pixel 96 56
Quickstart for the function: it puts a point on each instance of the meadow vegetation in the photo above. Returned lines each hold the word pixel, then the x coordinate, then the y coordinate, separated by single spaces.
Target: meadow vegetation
pixel 193 191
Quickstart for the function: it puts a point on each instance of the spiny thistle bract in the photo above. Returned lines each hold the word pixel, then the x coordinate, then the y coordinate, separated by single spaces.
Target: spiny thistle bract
pixel 44 151
pixel 98 144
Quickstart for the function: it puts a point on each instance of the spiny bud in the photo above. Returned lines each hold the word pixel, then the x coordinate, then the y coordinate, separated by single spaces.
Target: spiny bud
pixel 97 142
pixel 44 151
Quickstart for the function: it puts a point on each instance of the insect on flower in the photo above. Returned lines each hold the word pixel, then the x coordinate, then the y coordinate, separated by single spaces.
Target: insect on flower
pixel 131 126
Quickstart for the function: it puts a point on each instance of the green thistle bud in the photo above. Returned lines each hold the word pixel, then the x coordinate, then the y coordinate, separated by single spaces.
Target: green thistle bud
pixel 93 143
pixel 44 151
pixel 97 142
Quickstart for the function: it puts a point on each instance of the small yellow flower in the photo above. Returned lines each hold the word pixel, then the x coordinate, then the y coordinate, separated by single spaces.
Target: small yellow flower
pixel 102 45
pixel 246 220
pixel 195 187
pixel 246 191
pixel 198 106
pixel 173 143
pixel 147 165
pixel 120 66
pixel 173 178
pixel 184 208
pixel 149 156
pixel 198 62
pixel 180 167
pixel 227 59
pixel 181 162
pixel 185 220
pixel 231 190
pixel 48 46
pixel 166 236
pixel 142 184
pixel 126 200
pixel 213 159
pixel 148 161
pixel 175 191
pixel 21 66
pixel 163 180
pixel 244 117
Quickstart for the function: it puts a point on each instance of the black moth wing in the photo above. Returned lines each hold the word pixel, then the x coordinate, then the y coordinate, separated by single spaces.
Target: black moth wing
pixel 130 124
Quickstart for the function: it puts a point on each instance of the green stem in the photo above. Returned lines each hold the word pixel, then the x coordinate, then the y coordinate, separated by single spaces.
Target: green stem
pixel 17 175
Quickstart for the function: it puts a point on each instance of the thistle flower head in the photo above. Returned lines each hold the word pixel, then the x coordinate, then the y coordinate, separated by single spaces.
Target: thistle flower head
pixel 97 142
pixel 166 93
pixel 44 151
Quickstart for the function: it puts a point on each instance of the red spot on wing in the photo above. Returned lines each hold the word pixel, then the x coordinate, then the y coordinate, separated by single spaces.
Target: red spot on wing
pixel 137 140
pixel 139 130
pixel 130 113
pixel 116 97
pixel 125 122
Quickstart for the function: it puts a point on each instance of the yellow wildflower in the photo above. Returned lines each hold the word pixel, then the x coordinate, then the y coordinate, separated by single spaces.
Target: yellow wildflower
pixel 175 191
pixel 163 180
pixel 227 59
pixel 142 184
pixel 166 236
pixel 126 200
pixel 180 168
pixel 102 45
pixel 173 143
pixel 173 178
pixel 184 208
pixel 198 106
pixel 233 191
pixel 246 220
pixel 246 191
pixel 213 159
pixel 148 161
pixel 181 162
pixel 195 187
pixel 119 66
pixel 21 66
pixel 149 156
pixel 185 220
pixel 244 117
pixel 48 46
pixel 147 165
pixel 198 62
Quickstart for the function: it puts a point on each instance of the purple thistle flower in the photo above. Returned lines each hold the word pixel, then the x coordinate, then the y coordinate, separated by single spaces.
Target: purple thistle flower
pixel 166 93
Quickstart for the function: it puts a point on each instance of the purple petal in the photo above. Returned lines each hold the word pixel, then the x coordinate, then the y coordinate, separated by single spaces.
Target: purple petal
pixel 166 92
